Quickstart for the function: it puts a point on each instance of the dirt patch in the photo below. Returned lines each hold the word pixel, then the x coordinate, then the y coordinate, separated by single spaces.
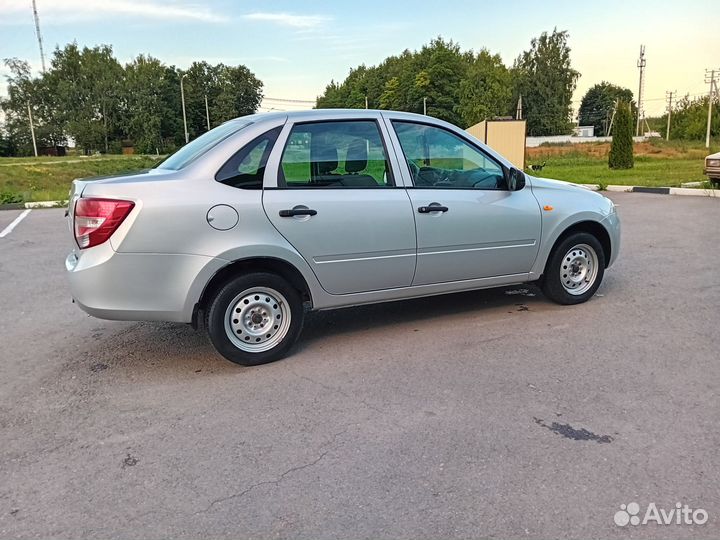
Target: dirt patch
pixel 601 150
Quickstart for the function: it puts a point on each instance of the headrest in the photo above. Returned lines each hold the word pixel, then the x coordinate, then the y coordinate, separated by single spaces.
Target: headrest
pixel 326 158
pixel 356 158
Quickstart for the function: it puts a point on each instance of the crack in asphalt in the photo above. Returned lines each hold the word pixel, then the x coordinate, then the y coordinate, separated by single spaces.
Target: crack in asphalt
pixel 275 482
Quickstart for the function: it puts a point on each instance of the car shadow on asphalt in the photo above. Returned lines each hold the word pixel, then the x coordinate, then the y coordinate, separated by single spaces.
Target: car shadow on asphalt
pixel 161 350
pixel 322 324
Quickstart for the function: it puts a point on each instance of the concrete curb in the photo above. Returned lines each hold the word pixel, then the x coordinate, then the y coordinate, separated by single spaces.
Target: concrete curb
pixel 692 192
pixel 34 204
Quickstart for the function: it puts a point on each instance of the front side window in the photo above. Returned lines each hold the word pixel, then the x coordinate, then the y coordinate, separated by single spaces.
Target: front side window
pixel 246 168
pixel 346 154
pixel 438 158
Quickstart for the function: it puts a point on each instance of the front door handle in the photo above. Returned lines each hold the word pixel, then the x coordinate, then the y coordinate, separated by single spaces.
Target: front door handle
pixel 298 212
pixel 432 208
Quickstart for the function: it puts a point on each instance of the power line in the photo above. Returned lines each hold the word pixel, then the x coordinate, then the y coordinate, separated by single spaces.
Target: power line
pixel 289 100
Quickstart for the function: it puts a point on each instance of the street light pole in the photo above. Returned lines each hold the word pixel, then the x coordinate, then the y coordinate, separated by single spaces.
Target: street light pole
pixel 32 129
pixel 182 97
pixel 207 112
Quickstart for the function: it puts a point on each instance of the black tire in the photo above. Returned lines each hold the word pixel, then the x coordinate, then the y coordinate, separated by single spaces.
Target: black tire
pixel 240 291
pixel 552 280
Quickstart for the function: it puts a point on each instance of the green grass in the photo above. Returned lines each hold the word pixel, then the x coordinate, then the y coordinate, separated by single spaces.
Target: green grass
pixel 658 163
pixel 49 178
pixel 648 171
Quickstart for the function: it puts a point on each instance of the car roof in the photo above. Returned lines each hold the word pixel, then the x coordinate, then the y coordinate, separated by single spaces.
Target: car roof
pixel 330 114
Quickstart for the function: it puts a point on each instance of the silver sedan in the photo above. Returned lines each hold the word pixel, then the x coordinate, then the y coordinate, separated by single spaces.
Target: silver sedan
pixel 270 215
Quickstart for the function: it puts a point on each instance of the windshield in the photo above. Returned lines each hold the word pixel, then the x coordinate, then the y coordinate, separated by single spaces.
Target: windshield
pixel 199 146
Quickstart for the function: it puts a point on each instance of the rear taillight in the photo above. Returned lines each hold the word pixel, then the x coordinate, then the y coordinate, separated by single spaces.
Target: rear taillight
pixel 96 219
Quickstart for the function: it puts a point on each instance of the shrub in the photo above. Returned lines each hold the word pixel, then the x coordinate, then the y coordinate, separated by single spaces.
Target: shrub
pixel 621 148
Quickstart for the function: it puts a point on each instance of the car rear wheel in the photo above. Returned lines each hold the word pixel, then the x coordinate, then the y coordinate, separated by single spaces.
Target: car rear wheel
pixel 255 319
pixel 574 270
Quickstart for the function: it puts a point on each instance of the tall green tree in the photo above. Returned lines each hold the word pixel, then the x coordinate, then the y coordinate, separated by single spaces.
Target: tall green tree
pixel 152 121
pixel 689 118
pixel 25 90
pixel 401 82
pixel 598 103
pixel 486 91
pixel 87 91
pixel 544 76
pixel 621 148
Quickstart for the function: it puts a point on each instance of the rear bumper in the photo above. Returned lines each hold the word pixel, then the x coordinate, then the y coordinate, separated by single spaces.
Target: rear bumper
pixel 138 286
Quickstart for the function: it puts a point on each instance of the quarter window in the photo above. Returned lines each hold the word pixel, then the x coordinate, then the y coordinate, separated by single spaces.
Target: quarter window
pixel 438 158
pixel 347 154
pixel 247 167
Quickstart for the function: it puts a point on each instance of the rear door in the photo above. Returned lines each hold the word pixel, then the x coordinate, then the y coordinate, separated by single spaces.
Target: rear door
pixel 469 225
pixel 337 203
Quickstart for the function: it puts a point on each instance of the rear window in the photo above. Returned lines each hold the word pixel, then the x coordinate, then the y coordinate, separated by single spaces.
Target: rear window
pixel 194 149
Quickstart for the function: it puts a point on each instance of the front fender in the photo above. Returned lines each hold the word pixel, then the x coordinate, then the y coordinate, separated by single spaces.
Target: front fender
pixel 564 205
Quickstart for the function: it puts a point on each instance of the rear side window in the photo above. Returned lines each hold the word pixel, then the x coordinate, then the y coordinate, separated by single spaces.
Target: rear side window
pixel 246 169
pixel 336 154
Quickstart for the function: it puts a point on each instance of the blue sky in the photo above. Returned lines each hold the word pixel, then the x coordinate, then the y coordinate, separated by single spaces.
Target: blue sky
pixel 296 48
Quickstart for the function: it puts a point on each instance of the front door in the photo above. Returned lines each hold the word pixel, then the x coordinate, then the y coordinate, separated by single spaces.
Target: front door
pixel 337 204
pixel 469 225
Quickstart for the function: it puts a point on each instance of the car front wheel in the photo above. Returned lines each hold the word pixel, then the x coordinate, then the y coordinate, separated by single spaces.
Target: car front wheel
pixel 255 319
pixel 574 270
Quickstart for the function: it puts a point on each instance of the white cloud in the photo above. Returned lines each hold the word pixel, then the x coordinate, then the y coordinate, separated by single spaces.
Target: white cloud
pixel 20 11
pixel 289 19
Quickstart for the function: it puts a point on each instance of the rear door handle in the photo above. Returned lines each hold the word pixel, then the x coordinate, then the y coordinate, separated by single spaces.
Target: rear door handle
pixel 432 208
pixel 298 212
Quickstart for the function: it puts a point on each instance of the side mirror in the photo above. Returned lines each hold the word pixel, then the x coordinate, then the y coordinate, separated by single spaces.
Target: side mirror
pixel 515 179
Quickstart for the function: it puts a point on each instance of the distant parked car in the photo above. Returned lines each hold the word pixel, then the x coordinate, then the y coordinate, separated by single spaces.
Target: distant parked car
pixel 712 168
pixel 269 215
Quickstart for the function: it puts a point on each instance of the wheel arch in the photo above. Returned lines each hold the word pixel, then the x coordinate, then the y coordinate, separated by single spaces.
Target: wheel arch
pixel 594 228
pixel 272 265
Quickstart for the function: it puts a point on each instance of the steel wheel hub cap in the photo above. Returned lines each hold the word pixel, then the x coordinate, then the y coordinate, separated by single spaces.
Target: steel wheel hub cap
pixel 579 269
pixel 257 319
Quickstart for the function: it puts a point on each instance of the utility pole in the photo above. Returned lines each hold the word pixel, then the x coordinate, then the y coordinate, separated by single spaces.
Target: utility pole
pixel 710 79
pixel 32 129
pixel 39 37
pixel 182 98
pixel 641 66
pixel 518 111
pixel 612 118
pixel 669 97
pixel 425 106
pixel 207 112
pixel 366 103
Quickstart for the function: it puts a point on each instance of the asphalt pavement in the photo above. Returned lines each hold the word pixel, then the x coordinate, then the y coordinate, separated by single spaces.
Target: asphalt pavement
pixel 486 414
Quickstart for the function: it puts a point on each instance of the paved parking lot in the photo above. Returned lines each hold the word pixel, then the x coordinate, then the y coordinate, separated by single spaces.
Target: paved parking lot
pixel 489 414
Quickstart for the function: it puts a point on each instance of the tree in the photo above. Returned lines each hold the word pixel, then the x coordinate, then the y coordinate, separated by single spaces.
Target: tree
pixel 546 80
pixel 689 118
pixel 23 91
pixel 435 73
pixel 598 103
pixel 486 90
pixel 86 89
pixel 621 148
pixel 152 122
